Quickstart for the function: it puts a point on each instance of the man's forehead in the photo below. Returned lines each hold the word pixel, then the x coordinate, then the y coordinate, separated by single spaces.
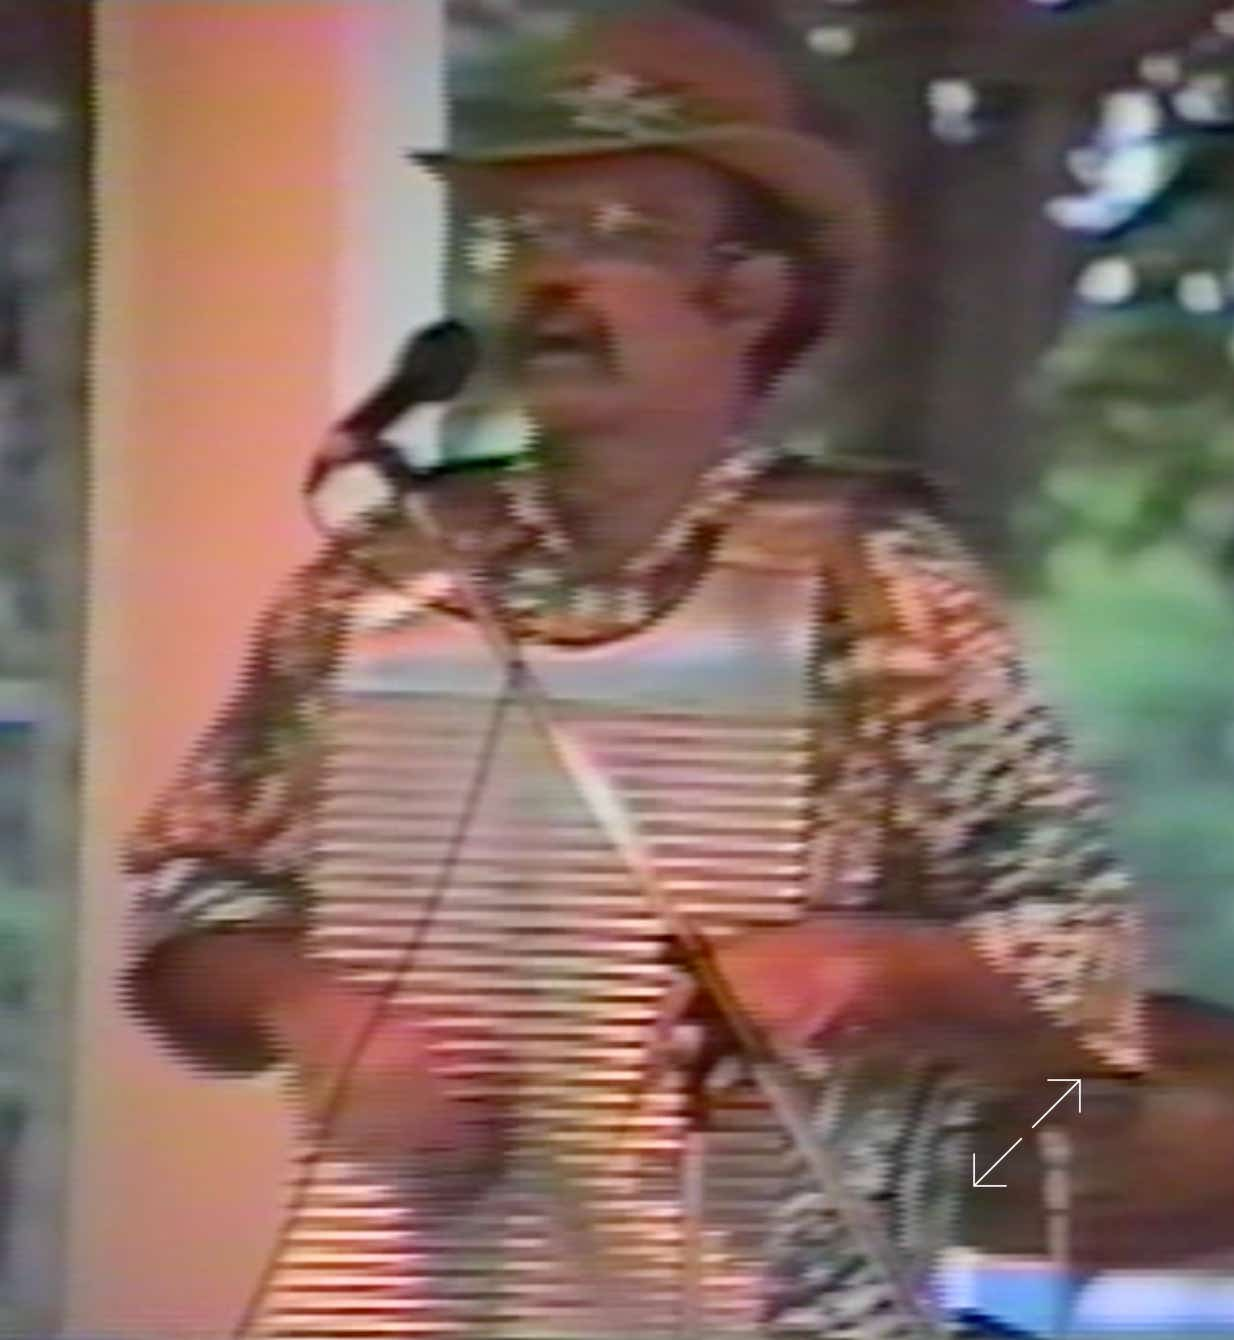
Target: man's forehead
pixel 666 181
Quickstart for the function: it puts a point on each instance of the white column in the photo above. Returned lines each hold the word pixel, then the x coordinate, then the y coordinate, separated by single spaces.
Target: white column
pixel 393 237
pixel 260 247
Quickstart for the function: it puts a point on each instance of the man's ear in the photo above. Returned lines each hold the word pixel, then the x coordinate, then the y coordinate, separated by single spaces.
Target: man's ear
pixel 753 294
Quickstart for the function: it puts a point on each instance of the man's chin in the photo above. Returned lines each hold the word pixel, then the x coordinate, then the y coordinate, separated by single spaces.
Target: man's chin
pixel 571 406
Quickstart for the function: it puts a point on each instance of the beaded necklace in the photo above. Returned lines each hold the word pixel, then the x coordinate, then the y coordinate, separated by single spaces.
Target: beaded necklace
pixel 545 600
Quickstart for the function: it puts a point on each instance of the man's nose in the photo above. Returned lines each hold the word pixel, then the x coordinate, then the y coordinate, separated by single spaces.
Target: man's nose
pixel 551 272
pixel 546 283
pixel 551 292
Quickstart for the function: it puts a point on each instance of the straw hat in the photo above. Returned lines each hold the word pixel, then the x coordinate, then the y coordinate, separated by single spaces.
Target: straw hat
pixel 664 80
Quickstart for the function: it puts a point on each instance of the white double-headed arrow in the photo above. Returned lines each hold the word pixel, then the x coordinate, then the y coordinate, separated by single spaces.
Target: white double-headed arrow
pixel 1075 1084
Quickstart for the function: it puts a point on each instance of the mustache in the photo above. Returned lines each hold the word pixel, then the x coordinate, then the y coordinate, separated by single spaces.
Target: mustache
pixel 558 320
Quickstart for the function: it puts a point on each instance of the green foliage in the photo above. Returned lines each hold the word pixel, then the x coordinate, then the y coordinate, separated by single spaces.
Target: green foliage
pixel 22 941
pixel 1137 407
pixel 1140 651
pixel 1127 546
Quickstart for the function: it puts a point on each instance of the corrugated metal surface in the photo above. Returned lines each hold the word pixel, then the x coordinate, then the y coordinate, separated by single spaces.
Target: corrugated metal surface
pixel 542 932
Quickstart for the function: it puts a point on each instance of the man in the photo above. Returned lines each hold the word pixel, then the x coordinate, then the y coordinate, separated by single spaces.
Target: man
pixel 796 679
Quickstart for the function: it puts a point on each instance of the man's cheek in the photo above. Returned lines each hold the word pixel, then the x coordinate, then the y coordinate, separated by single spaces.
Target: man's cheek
pixel 642 300
pixel 665 326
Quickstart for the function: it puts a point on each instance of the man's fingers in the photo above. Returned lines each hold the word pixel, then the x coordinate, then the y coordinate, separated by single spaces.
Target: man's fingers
pixel 673 1017
pixel 728 1073
pixel 685 1044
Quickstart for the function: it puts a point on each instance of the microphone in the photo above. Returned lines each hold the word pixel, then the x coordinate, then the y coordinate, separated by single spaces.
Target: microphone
pixel 431 367
pixel 355 475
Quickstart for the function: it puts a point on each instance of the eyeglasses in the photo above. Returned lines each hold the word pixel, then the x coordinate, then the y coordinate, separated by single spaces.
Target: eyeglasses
pixel 607 229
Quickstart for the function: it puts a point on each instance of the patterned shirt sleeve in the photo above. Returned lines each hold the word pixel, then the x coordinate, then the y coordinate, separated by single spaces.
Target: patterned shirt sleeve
pixel 227 844
pixel 960 782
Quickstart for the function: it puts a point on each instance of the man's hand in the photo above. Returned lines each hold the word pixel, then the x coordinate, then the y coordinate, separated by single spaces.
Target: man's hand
pixel 852 981
pixel 395 1110
pixel 813 982
pixel 400 1111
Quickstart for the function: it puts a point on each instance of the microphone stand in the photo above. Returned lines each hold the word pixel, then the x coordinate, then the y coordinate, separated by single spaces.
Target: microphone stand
pixel 693 1176
pixel 717 1045
pixel 716 1041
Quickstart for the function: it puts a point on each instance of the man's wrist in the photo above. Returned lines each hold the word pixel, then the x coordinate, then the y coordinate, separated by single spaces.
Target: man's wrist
pixel 261 970
pixel 909 993
pixel 944 996
pixel 298 991
pixel 935 994
pixel 918 970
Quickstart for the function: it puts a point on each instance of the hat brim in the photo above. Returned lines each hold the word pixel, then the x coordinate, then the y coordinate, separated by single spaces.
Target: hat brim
pixel 803 171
